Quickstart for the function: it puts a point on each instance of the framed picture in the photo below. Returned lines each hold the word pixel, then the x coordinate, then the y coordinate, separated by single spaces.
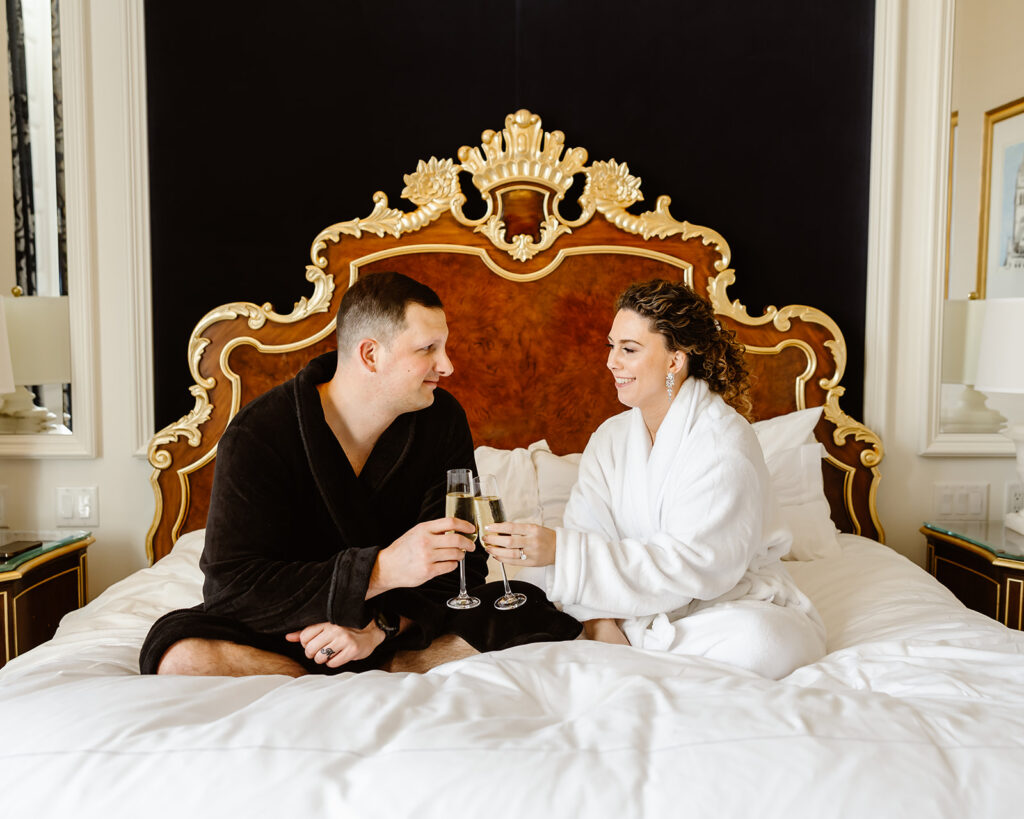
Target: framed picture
pixel 1001 235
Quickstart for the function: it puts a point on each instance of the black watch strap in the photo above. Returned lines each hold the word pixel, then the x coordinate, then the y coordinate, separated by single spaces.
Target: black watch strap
pixel 387 623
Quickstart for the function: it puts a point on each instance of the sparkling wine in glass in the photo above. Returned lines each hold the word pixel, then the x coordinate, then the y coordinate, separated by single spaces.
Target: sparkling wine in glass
pixel 488 509
pixel 458 503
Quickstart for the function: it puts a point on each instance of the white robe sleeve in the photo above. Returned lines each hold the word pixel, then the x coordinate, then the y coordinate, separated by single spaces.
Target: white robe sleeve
pixel 710 529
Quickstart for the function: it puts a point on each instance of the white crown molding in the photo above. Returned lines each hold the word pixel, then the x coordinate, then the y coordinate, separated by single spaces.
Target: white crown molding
pixel 140 308
pixel 78 191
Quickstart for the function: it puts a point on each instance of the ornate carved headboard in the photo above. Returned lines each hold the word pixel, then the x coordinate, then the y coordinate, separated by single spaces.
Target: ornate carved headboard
pixel 528 294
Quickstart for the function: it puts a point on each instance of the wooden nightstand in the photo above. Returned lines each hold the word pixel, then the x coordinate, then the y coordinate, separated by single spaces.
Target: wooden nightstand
pixel 982 563
pixel 39 587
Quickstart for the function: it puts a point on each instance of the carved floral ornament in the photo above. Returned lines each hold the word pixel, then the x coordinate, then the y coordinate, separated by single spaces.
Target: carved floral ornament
pixel 521 154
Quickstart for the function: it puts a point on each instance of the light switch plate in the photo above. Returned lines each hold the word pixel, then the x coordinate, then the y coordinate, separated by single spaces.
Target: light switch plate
pixel 960 501
pixel 77 506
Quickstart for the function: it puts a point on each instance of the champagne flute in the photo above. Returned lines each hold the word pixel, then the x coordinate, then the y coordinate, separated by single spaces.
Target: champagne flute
pixel 489 509
pixel 458 503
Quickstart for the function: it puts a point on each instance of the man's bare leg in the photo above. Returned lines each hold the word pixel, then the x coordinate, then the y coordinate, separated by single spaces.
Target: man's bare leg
pixel 445 649
pixel 605 630
pixel 198 657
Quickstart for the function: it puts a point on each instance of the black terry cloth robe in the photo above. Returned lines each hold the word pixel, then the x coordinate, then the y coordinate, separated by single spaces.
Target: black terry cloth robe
pixel 292 533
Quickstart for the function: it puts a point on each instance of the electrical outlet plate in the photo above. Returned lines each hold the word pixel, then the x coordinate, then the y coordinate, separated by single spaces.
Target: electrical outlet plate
pixel 1014 497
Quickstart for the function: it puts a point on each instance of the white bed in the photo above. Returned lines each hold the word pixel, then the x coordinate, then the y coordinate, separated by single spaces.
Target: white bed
pixel 917 709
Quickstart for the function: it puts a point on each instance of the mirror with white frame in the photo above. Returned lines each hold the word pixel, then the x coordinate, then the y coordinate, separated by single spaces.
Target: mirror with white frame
pixel 53 418
pixel 984 253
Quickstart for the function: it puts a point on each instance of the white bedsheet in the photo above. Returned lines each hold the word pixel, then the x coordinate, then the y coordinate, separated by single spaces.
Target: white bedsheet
pixel 917 710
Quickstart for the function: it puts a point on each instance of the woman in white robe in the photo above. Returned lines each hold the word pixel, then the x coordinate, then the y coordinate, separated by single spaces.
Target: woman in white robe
pixel 672 537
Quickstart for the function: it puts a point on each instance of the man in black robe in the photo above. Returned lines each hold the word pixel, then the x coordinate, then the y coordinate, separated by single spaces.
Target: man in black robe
pixel 326 547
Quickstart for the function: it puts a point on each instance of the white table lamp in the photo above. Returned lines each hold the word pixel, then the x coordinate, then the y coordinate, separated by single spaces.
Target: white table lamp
pixel 1001 369
pixel 35 348
pixel 962 320
pixel 6 370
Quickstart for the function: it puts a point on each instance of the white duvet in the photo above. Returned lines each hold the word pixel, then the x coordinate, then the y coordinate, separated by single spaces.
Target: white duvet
pixel 917 710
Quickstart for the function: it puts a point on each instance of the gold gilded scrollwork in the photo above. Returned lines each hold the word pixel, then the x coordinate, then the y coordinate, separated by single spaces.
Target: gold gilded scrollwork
pixel 188 425
pixel 522 247
pixel 781 320
pixel 520 156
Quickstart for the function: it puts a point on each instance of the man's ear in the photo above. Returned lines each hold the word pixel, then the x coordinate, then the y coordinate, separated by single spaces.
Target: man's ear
pixel 368 352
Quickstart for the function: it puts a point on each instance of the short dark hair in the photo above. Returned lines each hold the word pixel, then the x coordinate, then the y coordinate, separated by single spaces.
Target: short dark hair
pixel 375 306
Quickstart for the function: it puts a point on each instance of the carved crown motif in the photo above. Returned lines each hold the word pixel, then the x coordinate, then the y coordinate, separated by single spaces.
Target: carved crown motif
pixel 522 150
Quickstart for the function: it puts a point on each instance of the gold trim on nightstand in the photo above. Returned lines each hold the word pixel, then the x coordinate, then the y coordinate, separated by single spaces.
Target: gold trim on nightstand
pixel 996 583
pixel 83 578
pixel 23 592
pixel 25 568
pixel 7 630
pixel 1015 581
pixel 953 540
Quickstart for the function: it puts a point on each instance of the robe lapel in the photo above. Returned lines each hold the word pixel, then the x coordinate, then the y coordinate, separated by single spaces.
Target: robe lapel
pixel 672 439
pixel 635 520
pixel 343 494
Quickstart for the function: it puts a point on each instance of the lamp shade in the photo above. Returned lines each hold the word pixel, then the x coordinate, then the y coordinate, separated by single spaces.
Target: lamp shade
pixel 39 336
pixel 1001 351
pixel 6 371
pixel 961 336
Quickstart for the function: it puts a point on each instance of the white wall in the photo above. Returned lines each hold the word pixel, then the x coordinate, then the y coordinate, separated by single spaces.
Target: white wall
pixel 904 290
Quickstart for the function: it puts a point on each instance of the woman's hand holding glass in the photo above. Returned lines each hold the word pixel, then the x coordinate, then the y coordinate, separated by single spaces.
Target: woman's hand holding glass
pixel 521 544
pixel 489 509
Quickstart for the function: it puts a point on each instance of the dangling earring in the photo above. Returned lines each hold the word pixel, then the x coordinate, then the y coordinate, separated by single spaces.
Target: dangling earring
pixel 670 382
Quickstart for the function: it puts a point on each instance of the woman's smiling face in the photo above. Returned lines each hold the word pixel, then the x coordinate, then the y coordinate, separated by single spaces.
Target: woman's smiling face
pixel 639 360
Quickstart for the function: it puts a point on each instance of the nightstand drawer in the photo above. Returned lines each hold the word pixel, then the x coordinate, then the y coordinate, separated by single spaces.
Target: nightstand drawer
pixel 36 595
pixel 982 579
pixel 969 577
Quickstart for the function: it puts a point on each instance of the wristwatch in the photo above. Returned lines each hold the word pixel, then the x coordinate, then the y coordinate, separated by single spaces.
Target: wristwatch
pixel 387 623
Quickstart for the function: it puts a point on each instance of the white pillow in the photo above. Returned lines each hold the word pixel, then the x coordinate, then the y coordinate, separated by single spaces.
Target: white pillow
pixel 517 479
pixel 556 476
pixel 787 431
pixel 793 457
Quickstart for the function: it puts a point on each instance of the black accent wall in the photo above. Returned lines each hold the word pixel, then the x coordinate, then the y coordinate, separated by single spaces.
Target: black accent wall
pixel 269 121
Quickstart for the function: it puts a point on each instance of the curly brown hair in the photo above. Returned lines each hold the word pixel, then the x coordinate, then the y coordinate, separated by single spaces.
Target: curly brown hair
pixel 687 322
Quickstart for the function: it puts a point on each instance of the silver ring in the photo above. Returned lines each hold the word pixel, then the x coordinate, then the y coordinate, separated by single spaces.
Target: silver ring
pixel 327 651
pixel 522 555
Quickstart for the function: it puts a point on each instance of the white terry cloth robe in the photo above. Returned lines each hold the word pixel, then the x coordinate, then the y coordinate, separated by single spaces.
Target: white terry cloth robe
pixel 682 540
